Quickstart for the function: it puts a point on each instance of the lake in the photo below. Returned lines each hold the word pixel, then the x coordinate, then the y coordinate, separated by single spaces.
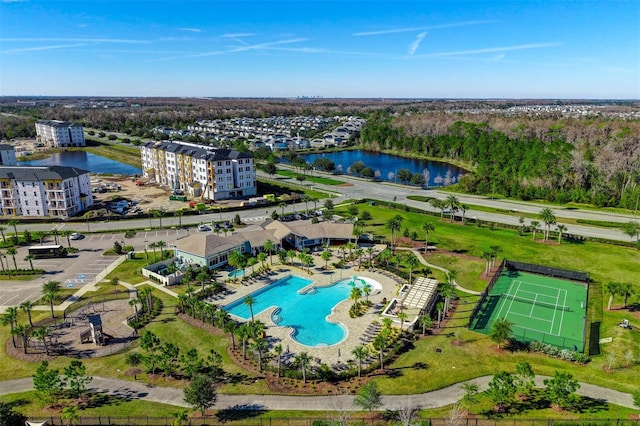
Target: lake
pixel 87 161
pixel 386 166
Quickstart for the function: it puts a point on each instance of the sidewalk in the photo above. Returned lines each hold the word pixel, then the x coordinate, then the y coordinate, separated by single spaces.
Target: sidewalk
pixel 173 396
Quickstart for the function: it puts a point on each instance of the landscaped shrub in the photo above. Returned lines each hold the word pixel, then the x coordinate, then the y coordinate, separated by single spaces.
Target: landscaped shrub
pixel 555 352
pixel 130 234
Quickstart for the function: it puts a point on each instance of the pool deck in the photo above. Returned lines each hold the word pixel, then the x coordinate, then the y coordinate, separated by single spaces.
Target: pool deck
pixel 339 353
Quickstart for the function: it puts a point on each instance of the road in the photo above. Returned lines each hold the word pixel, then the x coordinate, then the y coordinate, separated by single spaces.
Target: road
pixel 361 188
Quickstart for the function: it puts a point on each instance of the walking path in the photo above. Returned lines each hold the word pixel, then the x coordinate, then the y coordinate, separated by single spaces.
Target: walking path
pixel 439 268
pixel 174 396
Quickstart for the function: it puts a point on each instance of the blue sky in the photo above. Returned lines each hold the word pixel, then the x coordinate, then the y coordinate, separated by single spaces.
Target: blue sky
pixel 411 49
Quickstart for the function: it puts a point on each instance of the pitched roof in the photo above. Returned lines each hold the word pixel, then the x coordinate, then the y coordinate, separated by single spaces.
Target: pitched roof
pixel 40 173
pixel 205 244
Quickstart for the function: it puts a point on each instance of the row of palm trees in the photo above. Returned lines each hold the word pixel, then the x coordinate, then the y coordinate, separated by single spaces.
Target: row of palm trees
pixel 50 294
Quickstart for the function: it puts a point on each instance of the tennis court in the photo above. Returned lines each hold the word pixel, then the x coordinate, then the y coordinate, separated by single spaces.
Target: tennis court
pixel 540 308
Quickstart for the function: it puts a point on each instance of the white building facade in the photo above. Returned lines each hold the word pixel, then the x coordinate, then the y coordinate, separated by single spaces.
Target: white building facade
pixel 7 155
pixel 57 133
pixel 55 191
pixel 210 174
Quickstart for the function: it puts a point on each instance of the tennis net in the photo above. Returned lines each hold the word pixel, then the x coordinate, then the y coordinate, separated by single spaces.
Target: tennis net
pixel 536 302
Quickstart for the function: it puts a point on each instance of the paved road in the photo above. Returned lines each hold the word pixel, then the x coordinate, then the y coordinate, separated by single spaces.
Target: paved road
pixel 174 396
pixel 362 188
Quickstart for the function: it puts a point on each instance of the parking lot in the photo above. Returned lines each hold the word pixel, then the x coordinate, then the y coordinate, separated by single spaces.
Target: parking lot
pixel 78 269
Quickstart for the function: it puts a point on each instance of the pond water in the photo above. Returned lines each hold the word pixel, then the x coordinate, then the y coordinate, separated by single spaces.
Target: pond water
pixel 87 161
pixel 386 166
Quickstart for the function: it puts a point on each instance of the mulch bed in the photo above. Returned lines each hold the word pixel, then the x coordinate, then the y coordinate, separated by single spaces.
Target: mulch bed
pixel 18 353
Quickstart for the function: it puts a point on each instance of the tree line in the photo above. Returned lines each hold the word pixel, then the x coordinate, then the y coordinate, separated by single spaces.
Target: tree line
pixel 521 163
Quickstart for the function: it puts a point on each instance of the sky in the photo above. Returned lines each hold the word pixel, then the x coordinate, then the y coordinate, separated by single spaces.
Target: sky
pixel 584 49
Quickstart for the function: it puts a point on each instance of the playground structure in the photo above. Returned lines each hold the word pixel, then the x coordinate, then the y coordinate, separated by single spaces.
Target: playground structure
pixel 94 333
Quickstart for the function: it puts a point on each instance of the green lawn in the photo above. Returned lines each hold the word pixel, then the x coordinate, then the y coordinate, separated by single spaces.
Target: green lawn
pixel 311 178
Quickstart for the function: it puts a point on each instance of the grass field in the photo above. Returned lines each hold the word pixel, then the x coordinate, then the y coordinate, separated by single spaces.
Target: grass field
pixel 311 178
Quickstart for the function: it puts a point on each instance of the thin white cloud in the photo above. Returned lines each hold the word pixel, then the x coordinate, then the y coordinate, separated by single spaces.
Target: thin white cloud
pixel 413 29
pixel 40 48
pixel 237 35
pixel 191 30
pixel 416 43
pixel 493 50
pixel 317 50
pixel 12 1
pixel 77 40
pixel 237 49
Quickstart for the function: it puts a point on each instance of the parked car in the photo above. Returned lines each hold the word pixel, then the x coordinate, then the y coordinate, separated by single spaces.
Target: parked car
pixel 203 228
pixel 76 236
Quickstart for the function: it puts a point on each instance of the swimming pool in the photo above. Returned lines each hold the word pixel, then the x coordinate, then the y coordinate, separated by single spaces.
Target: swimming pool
pixel 236 273
pixel 306 312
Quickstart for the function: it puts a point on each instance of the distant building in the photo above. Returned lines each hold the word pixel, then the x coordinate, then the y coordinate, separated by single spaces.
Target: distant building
pixel 57 133
pixel 55 191
pixel 7 155
pixel 210 174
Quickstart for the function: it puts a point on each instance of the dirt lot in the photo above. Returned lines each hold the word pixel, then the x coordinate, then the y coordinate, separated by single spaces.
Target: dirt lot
pixel 149 196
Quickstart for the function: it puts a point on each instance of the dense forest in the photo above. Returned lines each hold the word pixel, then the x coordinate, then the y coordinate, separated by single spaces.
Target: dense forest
pixel 595 161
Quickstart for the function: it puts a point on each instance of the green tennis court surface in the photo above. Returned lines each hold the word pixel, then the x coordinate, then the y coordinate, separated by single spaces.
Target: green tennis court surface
pixel 540 308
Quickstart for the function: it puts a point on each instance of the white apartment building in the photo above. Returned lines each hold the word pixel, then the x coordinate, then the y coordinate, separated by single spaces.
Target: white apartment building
pixel 57 133
pixel 211 174
pixel 55 191
pixel 7 155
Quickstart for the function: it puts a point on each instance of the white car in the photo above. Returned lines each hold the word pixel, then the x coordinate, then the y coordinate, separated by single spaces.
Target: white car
pixel 76 236
pixel 203 228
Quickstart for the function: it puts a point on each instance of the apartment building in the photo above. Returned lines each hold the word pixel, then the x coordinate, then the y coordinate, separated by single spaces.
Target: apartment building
pixel 55 191
pixel 208 173
pixel 57 133
pixel 7 155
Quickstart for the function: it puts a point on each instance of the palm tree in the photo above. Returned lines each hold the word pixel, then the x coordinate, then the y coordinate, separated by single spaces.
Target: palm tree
pixel 202 277
pixel 10 318
pixel 282 206
pixel 427 227
pixel 230 327
pixel 159 214
pixel 360 353
pixel 235 260
pixel 29 258
pixel 440 309
pixel 12 252
pixel 453 203
pixel 412 262
pixel 179 214
pixel 355 295
pixel 500 330
pixel 306 199
pixel 291 254
pixel 42 333
pixel 270 247
pixel 549 219
pixel 249 301
pixel 67 233
pixel 26 307
pixel 426 322
pixel 380 343
pixel 51 293
pixel 561 230
pixel 4 239
pixel 535 225
pixel 22 331
pixel 134 303
pixel 394 225
pixel 277 349
pixel 402 316
pixel 370 251
pixel 326 255
pixel 14 222
pixel 244 332
pixel 259 346
pixel 161 245
pixel 303 360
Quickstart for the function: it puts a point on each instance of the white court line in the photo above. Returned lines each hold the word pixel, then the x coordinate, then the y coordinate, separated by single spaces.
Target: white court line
pixel 562 315
pixel 504 301
pixel 533 305
pixel 511 304
pixel 530 317
pixel 554 313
